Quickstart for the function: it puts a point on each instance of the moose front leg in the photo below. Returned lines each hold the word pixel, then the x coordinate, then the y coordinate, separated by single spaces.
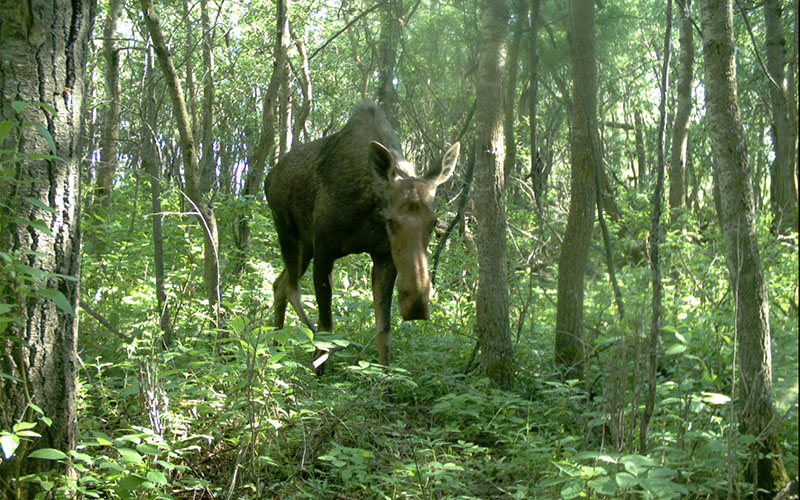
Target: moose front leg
pixel 383 276
pixel 323 265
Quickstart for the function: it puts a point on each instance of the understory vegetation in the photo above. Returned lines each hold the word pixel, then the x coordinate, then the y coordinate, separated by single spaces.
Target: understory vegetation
pixel 236 412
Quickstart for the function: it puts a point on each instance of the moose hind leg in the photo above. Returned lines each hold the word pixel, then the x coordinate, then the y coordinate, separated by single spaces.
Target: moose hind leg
pixel 296 258
pixel 279 292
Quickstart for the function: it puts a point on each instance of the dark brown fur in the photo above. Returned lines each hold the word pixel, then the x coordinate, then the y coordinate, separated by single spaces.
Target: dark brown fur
pixel 353 192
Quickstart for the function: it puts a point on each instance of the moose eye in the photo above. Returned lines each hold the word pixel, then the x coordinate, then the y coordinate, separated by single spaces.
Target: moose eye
pixel 391 225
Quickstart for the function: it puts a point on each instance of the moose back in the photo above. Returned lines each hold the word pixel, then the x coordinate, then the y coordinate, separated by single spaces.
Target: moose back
pixel 354 192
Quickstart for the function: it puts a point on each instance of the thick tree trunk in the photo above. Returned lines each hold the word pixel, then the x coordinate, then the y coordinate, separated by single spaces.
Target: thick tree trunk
pixel 38 352
pixel 783 187
pixel 108 145
pixel 569 349
pixel 491 320
pixel 203 210
pixel 737 218
pixel 680 127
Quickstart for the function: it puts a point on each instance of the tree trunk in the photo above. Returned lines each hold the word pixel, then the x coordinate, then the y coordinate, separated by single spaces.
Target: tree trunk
pixel 680 127
pixel 569 349
pixel 491 320
pixel 389 41
pixel 108 146
pixel 783 188
pixel 256 166
pixel 655 239
pixel 203 210
pixel 38 351
pixel 189 97
pixel 208 175
pixel 641 152
pixel 304 108
pixel 737 218
pixel 511 91
pixel 538 177
pixel 152 167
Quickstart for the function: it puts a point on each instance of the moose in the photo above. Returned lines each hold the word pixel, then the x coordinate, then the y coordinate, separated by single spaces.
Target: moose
pixel 354 192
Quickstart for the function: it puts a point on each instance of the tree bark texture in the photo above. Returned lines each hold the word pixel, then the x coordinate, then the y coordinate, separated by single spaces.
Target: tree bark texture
pixel 108 146
pixel 491 320
pixel 737 218
pixel 152 166
pixel 569 348
pixel 538 174
pixel 680 127
pixel 511 90
pixel 655 240
pixel 641 152
pixel 304 108
pixel 258 161
pixel 387 58
pixel 203 210
pixel 208 175
pixel 43 59
pixel 783 187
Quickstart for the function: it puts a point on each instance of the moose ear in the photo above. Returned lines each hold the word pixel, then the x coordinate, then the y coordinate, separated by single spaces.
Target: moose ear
pixel 444 167
pixel 381 160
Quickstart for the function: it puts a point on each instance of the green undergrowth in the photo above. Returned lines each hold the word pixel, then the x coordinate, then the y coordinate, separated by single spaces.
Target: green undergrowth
pixel 237 412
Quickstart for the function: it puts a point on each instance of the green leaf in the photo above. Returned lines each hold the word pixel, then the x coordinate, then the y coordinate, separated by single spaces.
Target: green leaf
pixel 57 297
pixel 572 490
pixel 40 225
pixel 23 426
pixel 675 349
pixel 111 466
pixel 47 137
pixel 634 468
pixel 83 457
pixel 38 204
pixel 625 480
pixel 103 439
pixel 130 456
pixel 638 460
pixel 130 482
pixel 48 454
pixel 19 106
pixel 156 477
pixel 149 450
pixel 5 128
pixel 603 485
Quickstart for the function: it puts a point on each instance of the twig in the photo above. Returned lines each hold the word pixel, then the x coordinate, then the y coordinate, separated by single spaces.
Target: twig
pixel 103 321
pixel 346 27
